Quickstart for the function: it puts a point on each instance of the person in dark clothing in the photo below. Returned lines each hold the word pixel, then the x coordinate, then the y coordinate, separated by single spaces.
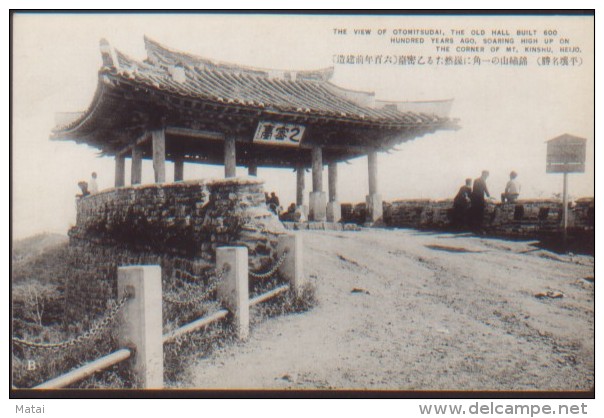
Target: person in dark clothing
pixel 479 190
pixel 84 188
pixel 461 204
pixel 273 203
pixel 274 199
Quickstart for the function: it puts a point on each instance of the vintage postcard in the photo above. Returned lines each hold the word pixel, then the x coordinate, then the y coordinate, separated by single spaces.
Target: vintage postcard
pixel 305 204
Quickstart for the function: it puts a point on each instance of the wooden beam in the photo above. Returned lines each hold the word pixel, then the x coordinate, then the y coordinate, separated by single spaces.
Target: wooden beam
pixel 195 133
pixel 139 141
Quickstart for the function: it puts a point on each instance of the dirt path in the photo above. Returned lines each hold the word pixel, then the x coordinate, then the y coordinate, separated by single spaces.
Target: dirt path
pixel 440 312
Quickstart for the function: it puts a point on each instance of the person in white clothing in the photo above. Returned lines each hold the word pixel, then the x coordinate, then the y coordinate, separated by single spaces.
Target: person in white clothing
pixel 93 188
pixel 512 189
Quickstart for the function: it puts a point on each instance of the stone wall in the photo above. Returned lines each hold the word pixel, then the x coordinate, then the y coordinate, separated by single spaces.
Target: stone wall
pixel 176 225
pixel 526 217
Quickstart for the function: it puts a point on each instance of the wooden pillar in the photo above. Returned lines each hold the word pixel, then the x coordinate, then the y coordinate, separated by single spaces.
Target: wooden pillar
pixel 565 209
pixel 300 172
pixel 230 157
pixel 179 169
pixel 317 169
pixel 372 169
pixel 120 170
pixel 373 199
pixel 252 170
pixel 317 201
pixel 334 210
pixel 136 170
pixel 159 155
pixel 332 176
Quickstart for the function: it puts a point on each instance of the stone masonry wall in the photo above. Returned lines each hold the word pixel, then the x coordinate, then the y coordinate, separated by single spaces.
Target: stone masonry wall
pixel 175 225
pixel 525 218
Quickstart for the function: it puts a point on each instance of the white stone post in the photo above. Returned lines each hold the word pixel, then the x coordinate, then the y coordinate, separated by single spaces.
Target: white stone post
pixel 141 325
pixel 233 290
pixel 292 267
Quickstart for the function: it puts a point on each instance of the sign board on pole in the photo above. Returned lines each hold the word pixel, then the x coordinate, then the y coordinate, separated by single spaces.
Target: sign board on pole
pixel 566 154
pixel 279 133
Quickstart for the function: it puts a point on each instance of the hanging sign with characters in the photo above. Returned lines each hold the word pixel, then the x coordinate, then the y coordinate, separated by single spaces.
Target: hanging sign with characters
pixel 279 133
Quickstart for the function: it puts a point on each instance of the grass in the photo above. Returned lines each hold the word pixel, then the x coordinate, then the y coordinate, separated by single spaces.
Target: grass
pixel 38 280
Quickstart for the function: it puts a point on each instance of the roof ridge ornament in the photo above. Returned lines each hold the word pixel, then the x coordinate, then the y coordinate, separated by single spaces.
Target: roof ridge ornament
pixel 108 54
pixel 158 53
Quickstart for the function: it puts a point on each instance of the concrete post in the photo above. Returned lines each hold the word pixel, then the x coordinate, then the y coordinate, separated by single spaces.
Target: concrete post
pixel 179 169
pixel 334 210
pixel 317 201
pixel 159 155
pixel 252 170
pixel 292 267
pixel 233 290
pixel 230 157
pixel 141 326
pixel 120 171
pixel 136 172
pixel 373 199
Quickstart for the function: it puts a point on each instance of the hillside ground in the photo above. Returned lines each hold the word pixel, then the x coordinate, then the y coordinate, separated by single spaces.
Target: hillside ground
pixel 409 310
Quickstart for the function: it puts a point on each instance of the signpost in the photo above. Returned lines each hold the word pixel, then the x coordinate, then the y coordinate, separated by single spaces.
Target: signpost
pixel 565 154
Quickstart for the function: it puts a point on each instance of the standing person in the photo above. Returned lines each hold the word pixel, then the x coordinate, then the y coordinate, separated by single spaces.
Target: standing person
pixel 461 204
pixel 512 189
pixel 93 188
pixel 479 190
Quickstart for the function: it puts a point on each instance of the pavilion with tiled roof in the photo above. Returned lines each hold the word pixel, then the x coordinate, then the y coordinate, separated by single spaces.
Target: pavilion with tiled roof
pixel 184 108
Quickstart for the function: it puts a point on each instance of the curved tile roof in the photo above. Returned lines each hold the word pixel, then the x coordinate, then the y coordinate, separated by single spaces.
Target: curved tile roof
pixel 298 92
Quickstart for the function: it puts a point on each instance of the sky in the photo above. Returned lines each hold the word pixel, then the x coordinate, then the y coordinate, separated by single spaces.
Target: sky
pixel 506 113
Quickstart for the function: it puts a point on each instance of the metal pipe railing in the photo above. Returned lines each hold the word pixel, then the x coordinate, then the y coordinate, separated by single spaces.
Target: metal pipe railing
pixel 86 370
pixel 192 326
pixel 268 295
